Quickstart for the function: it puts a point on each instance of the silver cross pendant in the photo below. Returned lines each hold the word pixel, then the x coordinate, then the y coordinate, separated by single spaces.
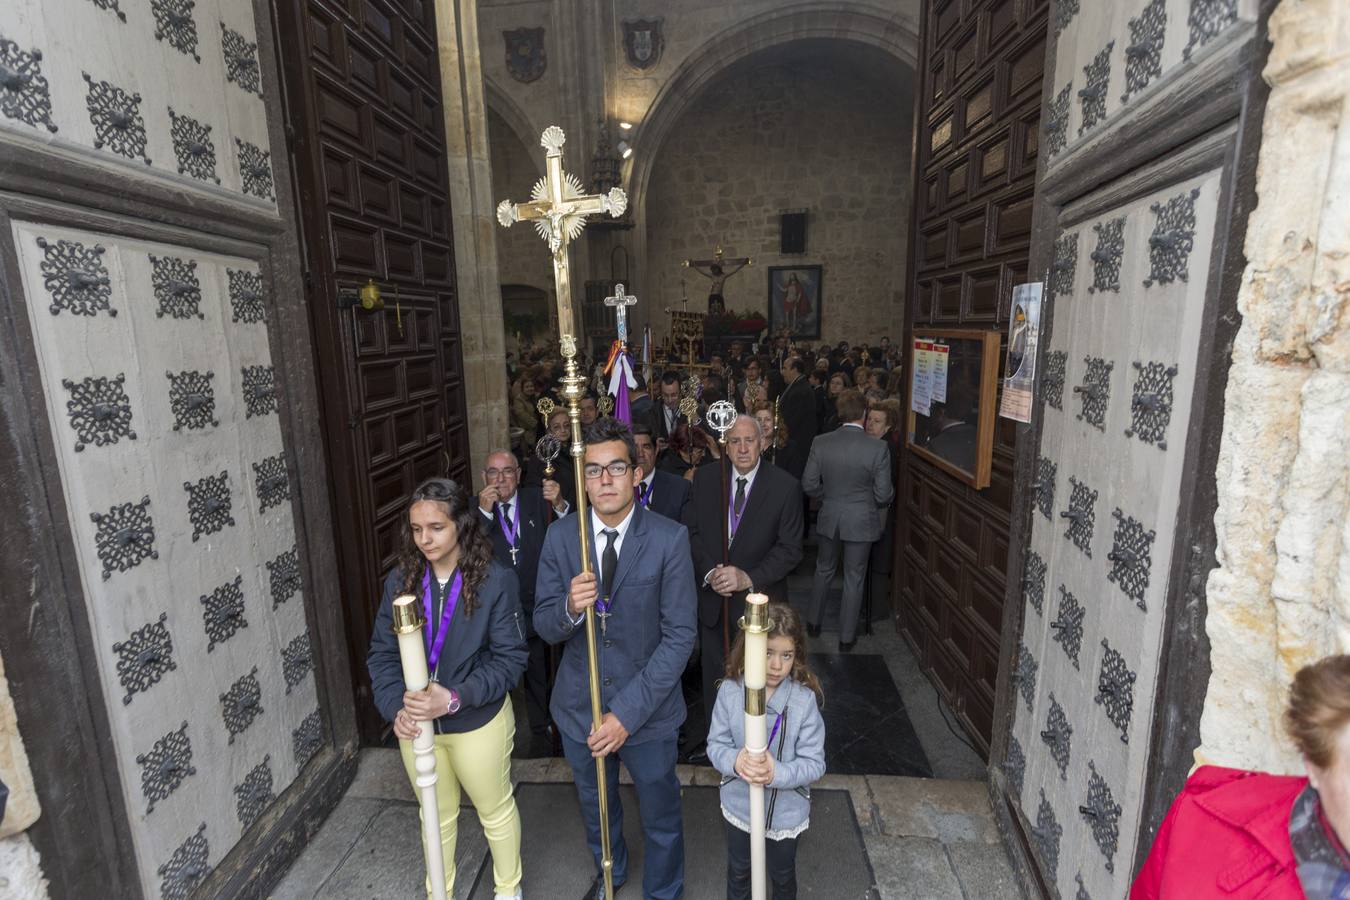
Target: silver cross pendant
pixel 514 551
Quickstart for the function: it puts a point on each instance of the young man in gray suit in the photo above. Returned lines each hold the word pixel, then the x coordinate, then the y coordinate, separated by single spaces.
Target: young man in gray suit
pixel 849 471
pixel 642 587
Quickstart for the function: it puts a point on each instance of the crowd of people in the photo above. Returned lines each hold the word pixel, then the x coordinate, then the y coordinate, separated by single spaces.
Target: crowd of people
pixel 682 524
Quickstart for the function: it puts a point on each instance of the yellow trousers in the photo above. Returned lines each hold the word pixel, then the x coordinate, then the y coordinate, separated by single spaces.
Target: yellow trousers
pixel 480 760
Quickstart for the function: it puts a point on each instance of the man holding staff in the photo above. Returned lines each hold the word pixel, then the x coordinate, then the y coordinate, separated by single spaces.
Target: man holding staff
pixel 641 586
pixel 761 516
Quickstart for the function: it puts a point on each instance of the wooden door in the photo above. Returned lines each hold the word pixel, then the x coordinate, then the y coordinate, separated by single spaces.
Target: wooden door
pixel 980 71
pixel 1152 124
pixel 368 149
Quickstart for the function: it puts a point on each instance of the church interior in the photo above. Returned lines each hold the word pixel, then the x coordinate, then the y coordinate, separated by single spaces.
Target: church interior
pixel 321 320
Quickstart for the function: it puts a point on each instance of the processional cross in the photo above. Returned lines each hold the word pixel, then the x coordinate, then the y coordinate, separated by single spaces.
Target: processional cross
pixel 621 301
pixel 558 209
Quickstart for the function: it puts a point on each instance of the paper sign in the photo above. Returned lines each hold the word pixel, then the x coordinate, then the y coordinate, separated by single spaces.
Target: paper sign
pixel 921 386
pixel 1019 367
pixel 940 354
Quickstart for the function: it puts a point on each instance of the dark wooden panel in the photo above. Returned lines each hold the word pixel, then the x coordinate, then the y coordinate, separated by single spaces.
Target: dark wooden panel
pixel 980 68
pixel 371 165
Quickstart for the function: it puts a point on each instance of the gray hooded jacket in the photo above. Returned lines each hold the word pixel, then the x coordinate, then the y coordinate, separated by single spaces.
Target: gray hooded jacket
pixel 798 750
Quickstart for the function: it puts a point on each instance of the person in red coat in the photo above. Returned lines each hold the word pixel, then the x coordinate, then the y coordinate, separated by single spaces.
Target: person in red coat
pixel 1236 834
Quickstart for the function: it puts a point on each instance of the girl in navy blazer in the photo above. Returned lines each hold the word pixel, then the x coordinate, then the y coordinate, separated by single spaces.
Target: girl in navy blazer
pixel 476 652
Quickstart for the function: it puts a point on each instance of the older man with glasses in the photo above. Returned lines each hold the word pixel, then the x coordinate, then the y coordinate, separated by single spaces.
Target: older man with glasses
pixel 517 518
pixel 642 588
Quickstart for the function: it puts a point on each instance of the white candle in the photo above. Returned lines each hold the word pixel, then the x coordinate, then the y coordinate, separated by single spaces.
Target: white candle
pixel 756 647
pixel 411 651
pixel 756 632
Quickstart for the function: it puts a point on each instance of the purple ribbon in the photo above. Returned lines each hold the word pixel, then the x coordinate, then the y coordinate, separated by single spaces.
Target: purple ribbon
pixel 644 493
pixel 734 520
pixel 451 601
pixel 776 722
pixel 515 526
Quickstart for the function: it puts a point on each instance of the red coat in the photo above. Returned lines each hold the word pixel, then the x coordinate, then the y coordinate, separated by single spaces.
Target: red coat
pixel 1226 835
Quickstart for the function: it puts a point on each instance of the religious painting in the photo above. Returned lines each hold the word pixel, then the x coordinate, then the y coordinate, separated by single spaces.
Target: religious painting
pixel 525 58
pixel 795 296
pixel 642 42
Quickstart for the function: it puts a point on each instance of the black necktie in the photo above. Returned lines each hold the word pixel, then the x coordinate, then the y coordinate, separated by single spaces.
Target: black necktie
pixel 609 561
pixel 740 497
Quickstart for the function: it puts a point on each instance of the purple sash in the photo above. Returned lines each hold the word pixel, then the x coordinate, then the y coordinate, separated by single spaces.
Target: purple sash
pixel 434 646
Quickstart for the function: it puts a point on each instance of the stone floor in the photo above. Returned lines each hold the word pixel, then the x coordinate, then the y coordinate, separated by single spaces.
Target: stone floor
pixel 925 837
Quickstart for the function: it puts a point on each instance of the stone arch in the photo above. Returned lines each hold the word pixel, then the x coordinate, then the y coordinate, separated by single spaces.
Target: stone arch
pixel 895 34
pixel 500 102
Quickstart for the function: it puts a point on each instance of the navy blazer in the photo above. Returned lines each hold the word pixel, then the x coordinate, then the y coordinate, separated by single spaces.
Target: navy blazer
pixel 650 633
pixel 669 494
pixel 483 657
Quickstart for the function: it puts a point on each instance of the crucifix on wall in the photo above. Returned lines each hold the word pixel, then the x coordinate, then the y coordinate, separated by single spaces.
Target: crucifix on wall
pixel 717 270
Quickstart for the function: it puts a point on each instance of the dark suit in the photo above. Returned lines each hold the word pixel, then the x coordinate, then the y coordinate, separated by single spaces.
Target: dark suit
pixel 657 419
pixel 797 408
pixel 850 472
pixel 667 495
pixel 641 656
pixel 767 546
pixel 533 518
pixel 562 473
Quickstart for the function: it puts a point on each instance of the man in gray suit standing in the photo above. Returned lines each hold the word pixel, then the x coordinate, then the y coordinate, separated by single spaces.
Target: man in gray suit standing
pixel 849 472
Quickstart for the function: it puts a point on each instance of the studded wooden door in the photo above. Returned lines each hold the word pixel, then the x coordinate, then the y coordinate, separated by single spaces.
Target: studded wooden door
pixel 1150 131
pixel 363 88
pixel 980 68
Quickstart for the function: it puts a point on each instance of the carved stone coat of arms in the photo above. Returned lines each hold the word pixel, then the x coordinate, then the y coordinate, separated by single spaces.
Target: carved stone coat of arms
pixel 642 42
pixel 525 57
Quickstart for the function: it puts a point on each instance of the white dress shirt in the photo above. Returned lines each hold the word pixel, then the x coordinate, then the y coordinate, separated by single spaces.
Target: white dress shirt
pixel 598 529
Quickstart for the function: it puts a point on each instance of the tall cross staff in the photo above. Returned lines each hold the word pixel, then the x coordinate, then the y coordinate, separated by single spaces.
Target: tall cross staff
pixel 559 209
pixel 721 416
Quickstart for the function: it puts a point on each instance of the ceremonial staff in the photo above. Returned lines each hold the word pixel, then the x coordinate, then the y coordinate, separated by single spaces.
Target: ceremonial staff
pixel 721 416
pixel 755 625
pixel 559 209
pixel 412 652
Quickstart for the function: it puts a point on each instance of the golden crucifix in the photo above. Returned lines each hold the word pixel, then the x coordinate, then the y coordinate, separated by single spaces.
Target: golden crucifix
pixel 559 209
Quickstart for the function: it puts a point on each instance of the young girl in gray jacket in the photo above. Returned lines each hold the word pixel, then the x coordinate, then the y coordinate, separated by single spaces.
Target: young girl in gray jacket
pixel 796 756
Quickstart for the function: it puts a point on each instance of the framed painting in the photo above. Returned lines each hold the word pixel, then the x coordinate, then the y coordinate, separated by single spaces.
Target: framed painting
pixel 795 297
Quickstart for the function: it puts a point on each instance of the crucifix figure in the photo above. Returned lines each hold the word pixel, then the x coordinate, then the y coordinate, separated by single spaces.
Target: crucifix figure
pixel 621 301
pixel 717 270
pixel 559 209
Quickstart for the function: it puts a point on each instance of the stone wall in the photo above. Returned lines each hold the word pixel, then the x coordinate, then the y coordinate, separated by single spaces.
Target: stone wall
pixel 522 257
pixel 20 870
pixel 815 134
pixel 1281 595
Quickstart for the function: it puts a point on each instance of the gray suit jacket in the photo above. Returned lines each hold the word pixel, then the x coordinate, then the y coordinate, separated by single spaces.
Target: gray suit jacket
pixel 849 471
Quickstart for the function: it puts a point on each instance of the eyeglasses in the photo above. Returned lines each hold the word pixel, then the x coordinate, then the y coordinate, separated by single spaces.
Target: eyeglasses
pixel 616 469
pixel 508 472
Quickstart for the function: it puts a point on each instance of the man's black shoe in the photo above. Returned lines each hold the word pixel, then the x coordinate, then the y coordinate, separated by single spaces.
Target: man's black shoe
pixel 597 889
pixel 699 757
pixel 845 646
pixel 813 630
